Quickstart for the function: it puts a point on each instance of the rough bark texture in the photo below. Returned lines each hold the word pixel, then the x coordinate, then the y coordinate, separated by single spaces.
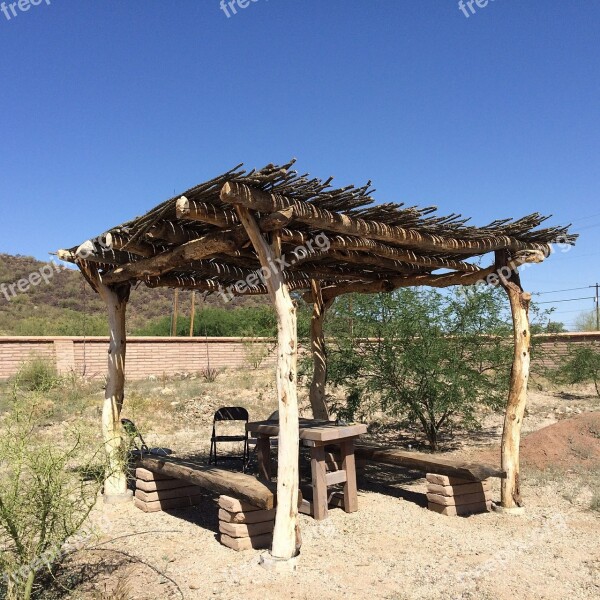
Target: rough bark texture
pixel 116 303
pixel 286 522
pixel 317 339
pixel 517 396
pixel 519 378
pixel 318 218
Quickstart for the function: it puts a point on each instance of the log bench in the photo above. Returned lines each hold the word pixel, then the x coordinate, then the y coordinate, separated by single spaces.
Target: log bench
pixel 246 505
pixel 453 487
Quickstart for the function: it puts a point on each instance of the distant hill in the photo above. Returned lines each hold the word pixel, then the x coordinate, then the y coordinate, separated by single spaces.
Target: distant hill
pixel 68 306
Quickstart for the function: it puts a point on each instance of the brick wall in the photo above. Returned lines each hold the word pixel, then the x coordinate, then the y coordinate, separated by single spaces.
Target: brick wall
pixel 158 355
pixel 145 355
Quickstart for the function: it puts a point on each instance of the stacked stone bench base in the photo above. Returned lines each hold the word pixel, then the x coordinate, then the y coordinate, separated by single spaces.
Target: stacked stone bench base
pixel 155 492
pixel 458 497
pixel 243 526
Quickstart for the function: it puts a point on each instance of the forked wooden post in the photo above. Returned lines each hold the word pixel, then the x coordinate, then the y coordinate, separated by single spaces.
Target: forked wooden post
pixel 116 302
pixel 317 341
pixel 115 298
pixel 286 521
pixel 519 377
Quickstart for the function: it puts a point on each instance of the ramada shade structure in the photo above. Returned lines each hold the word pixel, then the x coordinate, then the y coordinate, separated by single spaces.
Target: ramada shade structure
pixel 272 231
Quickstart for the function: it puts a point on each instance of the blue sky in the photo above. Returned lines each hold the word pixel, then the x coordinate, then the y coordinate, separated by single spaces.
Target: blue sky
pixel 109 107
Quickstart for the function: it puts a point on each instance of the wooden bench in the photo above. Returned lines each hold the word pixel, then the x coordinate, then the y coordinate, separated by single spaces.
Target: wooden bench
pixel 453 487
pixel 246 505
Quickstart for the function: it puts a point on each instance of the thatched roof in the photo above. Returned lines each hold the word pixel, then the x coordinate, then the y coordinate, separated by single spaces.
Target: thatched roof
pixel 195 240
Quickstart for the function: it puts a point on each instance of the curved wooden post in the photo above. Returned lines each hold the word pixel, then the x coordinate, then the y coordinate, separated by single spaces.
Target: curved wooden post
pixel 517 395
pixel 286 520
pixel 116 302
pixel 317 340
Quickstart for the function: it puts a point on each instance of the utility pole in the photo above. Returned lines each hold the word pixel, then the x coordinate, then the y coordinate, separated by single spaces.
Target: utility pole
pixel 193 314
pixel 597 307
pixel 175 313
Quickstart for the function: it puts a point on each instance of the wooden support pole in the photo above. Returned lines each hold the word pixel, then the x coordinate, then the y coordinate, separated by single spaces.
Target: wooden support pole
pixel 193 315
pixel 115 299
pixel 175 315
pixel 317 340
pixel 286 522
pixel 519 377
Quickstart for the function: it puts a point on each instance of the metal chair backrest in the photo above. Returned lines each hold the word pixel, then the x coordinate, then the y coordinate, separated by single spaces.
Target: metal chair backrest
pixel 231 413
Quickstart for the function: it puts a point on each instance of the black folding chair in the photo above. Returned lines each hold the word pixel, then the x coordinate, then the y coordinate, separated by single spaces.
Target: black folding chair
pixel 229 413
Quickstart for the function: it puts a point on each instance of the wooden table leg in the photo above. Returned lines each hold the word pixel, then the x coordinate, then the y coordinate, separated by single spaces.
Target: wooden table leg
pixel 348 465
pixel 263 453
pixel 319 482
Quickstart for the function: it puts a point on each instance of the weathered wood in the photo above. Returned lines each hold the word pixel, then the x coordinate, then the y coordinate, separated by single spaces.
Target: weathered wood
pixel 240 485
pixel 119 241
pixel 318 218
pixel 349 467
pixel 429 463
pixel 319 482
pixel 487 275
pixel 277 220
pixel 319 353
pixel 286 521
pixel 519 378
pixel 172 233
pixel 311 430
pixel 263 454
pixel 205 213
pixel 373 250
pixel 208 245
pixel 115 299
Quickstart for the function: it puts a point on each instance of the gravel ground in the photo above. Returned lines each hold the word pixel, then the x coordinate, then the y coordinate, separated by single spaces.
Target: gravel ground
pixel 391 548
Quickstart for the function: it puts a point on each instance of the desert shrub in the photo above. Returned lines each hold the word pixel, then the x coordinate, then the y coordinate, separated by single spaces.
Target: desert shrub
pixel 43 500
pixel 424 356
pixel 37 375
pixel 255 352
pixel 582 365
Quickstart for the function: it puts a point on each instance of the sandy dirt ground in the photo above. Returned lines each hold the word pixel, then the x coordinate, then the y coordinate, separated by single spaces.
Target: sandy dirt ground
pixel 392 548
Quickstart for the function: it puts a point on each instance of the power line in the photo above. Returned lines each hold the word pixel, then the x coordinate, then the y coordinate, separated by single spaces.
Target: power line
pixel 558 291
pixel 567 300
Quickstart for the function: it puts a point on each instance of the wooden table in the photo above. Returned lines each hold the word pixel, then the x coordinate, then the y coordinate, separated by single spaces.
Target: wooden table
pixel 316 435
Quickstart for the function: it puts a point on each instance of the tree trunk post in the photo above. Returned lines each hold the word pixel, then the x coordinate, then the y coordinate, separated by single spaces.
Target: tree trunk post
pixel 115 485
pixel 284 546
pixel 317 340
pixel 517 395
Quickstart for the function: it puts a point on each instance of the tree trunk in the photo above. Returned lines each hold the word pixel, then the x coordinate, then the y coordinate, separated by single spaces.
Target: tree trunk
pixel 317 338
pixel 116 301
pixel 517 395
pixel 286 521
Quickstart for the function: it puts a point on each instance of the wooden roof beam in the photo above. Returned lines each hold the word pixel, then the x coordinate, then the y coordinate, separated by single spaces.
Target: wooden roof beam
pixel 205 213
pixel 208 245
pixel 438 281
pixel 309 214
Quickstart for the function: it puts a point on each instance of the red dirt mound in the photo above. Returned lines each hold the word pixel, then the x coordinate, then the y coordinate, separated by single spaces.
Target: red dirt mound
pixel 571 443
